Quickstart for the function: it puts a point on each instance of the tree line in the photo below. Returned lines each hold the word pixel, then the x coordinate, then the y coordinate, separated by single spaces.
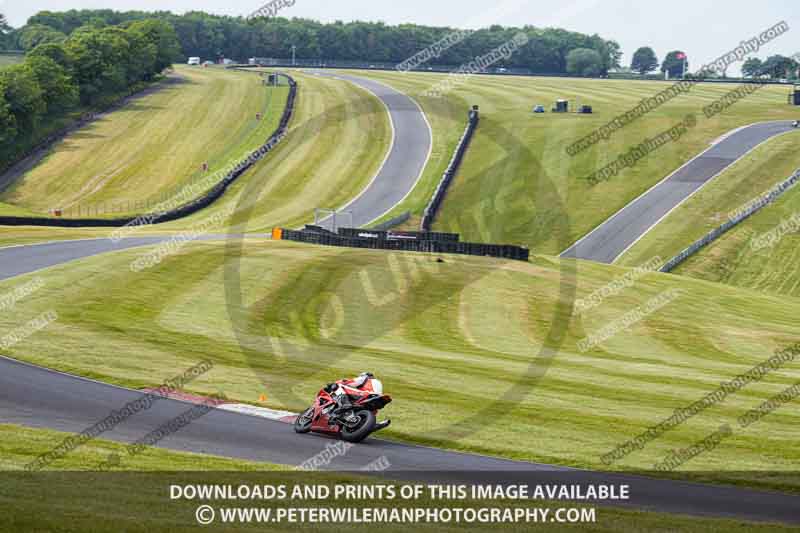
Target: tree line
pixel 776 66
pixel 676 63
pixel 6 33
pixel 213 36
pixel 89 67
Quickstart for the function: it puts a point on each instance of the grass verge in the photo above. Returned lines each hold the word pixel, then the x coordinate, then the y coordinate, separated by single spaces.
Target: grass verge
pixel 137 155
pixel 486 338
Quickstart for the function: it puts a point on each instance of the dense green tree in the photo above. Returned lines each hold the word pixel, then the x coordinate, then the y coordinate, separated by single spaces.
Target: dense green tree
pixel 98 65
pixel 5 33
pixel 59 91
pixel 779 66
pixel 163 37
pixel 32 36
pixel 584 62
pixel 140 63
pixel 676 63
pixel 644 60
pixel 212 36
pixel 615 55
pixel 752 67
pixel 22 92
pixel 54 51
pixel 8 124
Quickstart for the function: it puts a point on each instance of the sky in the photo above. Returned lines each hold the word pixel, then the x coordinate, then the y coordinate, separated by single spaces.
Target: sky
pixel 705 29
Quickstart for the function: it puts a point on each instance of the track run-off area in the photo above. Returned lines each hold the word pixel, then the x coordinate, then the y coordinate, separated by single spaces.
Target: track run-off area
pixel 37 397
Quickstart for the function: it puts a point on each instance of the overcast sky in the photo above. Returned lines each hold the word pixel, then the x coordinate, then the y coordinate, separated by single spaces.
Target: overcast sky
pixel 704 28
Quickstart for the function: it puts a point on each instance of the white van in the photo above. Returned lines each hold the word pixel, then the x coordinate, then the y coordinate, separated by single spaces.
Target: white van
pixel 194 61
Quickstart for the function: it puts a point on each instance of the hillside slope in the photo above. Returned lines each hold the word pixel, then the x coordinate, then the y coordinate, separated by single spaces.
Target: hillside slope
pixel 495 343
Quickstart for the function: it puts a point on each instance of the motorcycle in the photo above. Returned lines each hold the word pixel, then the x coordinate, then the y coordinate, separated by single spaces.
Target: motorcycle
pixel 353 423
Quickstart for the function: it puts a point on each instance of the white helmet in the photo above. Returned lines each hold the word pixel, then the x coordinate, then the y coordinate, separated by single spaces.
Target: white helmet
pixel 377 386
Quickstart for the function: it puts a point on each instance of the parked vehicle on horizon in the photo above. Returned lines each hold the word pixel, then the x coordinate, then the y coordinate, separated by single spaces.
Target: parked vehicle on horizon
pixel 193 61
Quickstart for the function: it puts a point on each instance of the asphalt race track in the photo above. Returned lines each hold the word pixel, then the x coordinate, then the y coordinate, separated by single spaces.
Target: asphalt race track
pixel 37 397
pixel 406 159
pixel 617 234
pixel 17 260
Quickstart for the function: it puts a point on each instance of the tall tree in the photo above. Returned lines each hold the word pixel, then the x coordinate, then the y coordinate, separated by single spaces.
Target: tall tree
pixel 584 62
pixel 5 33
pixel 97 62
pixel 32 36
pixel 644 60
pixel 779 66
pixel 8 123
pixel 54 51
pixel 676 63
pixel 162 35
pixel 752 67
pixel 22 92
pixel 58 89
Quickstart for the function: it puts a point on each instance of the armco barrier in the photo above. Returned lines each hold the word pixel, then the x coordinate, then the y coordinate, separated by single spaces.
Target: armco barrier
pixel 715 234
pixel 184 210
pixel 356 233
pixel 405 245
pixel 449 174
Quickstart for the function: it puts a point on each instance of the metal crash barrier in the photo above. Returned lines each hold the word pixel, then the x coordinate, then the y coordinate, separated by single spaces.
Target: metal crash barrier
pixel 426 242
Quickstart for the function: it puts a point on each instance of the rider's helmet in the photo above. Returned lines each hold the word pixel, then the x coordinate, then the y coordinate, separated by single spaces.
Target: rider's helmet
pixel 369 378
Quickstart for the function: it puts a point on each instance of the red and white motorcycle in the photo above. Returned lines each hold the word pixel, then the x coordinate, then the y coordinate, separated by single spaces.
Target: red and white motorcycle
pixel 354 422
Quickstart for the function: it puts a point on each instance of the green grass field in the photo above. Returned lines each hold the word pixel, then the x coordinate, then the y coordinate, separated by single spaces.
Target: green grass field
pixel 518 184
pixel 732 259
pixel 135 496
pixel 156 143
pixel 337 141
pixel 495 343
pixel 466 332
pixel 338 138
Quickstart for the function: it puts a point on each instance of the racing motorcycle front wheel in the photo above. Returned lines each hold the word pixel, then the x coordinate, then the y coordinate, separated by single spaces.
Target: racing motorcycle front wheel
pixel 304 421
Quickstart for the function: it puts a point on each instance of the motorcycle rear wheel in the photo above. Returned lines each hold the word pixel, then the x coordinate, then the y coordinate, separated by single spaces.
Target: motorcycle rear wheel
pixel 362 429
pixel 304 421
